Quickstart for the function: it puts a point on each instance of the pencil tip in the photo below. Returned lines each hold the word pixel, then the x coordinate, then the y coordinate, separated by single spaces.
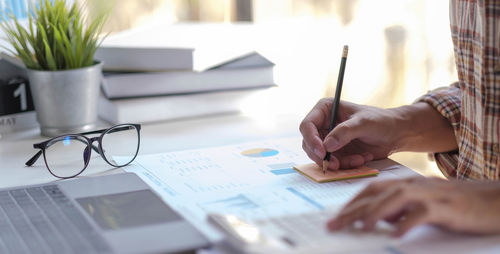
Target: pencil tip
pixel 344 52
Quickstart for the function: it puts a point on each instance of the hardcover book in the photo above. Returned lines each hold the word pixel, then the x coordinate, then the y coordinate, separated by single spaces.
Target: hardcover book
pixel 248 71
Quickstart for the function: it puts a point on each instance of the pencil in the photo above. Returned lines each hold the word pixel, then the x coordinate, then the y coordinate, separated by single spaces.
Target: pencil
pixel 336 100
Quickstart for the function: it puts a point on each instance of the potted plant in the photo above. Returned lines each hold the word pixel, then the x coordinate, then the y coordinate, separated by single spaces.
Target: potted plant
pixel 58 47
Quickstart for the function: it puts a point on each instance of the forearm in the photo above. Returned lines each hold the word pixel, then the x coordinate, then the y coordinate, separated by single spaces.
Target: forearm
pixel 423 129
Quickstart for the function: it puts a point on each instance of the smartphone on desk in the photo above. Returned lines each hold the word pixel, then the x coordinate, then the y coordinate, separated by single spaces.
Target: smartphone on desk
pixel 299 233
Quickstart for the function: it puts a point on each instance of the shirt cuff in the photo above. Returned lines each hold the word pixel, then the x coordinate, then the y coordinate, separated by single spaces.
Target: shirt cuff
pixel 447 163
pixel 447 101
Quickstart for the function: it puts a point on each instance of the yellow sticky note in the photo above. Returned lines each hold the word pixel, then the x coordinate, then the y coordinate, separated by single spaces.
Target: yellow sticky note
pixel 315 173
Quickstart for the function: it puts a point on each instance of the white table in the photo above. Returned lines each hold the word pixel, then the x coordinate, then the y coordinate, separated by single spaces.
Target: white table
pixel 17 148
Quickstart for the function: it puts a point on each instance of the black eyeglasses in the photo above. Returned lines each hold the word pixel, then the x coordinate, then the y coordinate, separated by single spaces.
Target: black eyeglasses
pixel 68 155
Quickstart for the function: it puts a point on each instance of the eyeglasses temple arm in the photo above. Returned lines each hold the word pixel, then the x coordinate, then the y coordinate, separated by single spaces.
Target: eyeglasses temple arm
pixel 138 126
pixel 33 159
pixel 92 132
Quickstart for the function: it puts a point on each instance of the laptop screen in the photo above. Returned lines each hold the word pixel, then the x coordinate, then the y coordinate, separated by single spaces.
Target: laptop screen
pixel 127 210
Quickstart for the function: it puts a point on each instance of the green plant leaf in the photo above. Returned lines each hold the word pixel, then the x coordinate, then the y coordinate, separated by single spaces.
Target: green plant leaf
pixel 56 37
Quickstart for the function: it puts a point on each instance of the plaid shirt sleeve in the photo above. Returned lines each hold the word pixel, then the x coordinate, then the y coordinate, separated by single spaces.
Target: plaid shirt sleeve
pixel 447 101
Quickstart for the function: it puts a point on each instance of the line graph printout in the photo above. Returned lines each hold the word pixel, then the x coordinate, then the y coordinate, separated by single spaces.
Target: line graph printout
pixel 251 180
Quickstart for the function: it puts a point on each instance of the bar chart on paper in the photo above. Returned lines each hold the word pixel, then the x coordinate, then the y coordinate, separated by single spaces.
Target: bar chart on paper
pixel 239 201
pixel 253 181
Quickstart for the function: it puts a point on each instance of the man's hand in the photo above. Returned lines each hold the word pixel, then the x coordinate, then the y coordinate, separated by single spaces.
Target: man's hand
pixel 471 207
pixel 365 133
pixel 362 134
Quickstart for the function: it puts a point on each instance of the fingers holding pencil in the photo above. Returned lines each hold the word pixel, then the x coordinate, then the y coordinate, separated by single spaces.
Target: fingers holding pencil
pixel 336 100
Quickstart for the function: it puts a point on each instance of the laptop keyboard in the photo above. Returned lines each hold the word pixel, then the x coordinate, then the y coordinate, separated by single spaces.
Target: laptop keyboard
pixel 43 220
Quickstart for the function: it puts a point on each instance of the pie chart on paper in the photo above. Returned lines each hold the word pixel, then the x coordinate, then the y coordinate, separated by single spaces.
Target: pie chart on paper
pixel 260 152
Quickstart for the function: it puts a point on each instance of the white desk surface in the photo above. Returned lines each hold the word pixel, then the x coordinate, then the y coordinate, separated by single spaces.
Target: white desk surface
pixel 17 148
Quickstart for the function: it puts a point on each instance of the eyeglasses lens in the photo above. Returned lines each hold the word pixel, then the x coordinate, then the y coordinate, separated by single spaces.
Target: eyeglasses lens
pixel 120 141
pixel 67 156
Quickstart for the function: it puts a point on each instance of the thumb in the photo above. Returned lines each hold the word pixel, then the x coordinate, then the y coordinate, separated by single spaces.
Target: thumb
pixel 343 134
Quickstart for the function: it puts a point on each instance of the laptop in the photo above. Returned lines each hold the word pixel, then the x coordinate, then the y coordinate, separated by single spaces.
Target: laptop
pixel 116 213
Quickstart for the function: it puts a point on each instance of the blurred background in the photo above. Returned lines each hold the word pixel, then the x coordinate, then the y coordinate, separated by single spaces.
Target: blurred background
pixel 399 49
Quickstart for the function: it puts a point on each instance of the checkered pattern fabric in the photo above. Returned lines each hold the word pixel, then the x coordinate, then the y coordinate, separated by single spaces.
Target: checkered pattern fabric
pixel 472 105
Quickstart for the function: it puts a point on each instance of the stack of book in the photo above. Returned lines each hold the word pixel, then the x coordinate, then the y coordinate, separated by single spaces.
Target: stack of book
pixel 156 84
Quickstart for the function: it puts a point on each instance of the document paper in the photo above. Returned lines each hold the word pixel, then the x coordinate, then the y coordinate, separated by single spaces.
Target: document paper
pixel 256 181
pixel 253 181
